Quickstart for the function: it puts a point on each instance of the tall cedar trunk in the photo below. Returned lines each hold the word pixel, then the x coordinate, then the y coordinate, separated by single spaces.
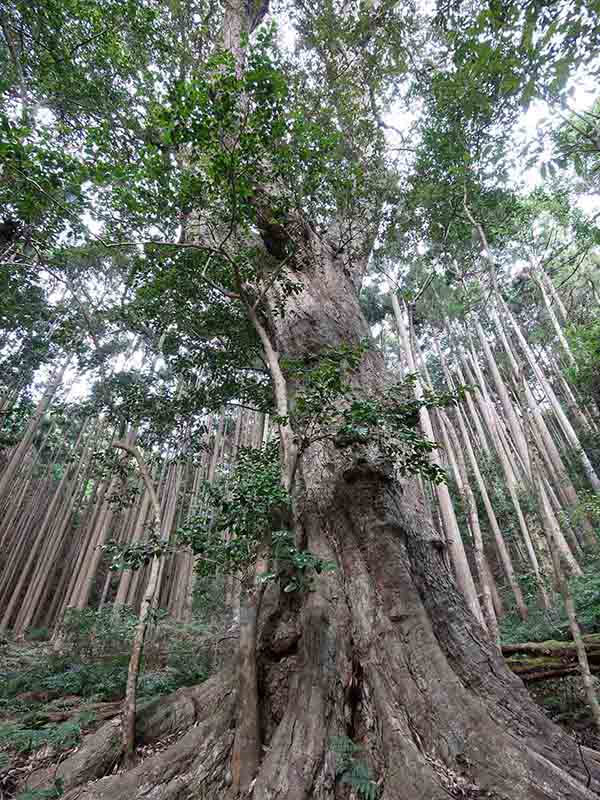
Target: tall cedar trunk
pixel 470 507
pixel 509 410
pixel 18 454
pixel 492 422
pixel 554 319
pixel 247 744
pixel 383 651
pixel 501 546
pixel 456 548
pixel 565 590
pixel 564 422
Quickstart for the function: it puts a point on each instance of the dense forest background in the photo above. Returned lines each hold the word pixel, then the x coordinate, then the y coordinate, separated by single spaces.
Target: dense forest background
pixel 299 399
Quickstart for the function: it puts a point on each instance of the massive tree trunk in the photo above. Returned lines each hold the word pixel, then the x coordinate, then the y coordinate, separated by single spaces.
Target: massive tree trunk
pixel 383 651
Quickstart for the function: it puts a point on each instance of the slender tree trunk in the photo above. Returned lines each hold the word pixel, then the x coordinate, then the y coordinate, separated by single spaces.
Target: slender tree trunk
pixel 498 604
pixel 246 753
pixel 18 454
pixel 501 547
pixel 470 506
pixel 509 475
pixel 554 320
pixel 151 590
pixel 89 531
pixel 554 534
pixel 464 578
pixel 554 462
pixel 507 404
pixel 566 426
pixel 563 586
pixel 498 537
pixel 100 534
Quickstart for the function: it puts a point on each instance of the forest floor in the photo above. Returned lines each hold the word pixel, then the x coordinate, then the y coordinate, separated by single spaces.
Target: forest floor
pixel 52 696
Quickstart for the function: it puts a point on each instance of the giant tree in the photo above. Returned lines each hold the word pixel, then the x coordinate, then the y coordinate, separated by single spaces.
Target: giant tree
pixel 251 189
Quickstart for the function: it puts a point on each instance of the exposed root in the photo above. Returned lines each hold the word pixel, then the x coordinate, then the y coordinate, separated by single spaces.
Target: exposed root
pixel 100 752
pixel 195 766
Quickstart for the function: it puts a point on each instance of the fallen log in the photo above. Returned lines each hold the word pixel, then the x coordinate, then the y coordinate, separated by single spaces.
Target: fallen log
pixel 538 661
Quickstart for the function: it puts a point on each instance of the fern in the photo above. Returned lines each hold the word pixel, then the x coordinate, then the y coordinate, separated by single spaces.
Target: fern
pixel 351 770
pixel 43 794
pixel 25 740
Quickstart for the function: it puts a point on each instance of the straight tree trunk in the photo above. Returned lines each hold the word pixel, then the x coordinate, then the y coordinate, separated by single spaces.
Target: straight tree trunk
pixel 565 425
pixel 489 415
pixel 584 666
pixel 549 451
pixel 18 454
pixel 470 506
pixel 151 590
pixel 509 410
pixel 501 547
pixel 553 319
pixel 462 571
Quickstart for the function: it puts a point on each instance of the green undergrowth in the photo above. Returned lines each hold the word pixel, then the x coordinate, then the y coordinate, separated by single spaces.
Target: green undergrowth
pixel 43 794
pixel 60 736
pixel 553 623
pixel 50 693
pixel 351 769
pixel 91 662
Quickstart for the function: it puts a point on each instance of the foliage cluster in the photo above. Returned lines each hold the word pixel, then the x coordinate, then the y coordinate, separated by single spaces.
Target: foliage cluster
pixel 553 623
pixel 249 513
pixel 327 406
pixel 92 659
pixel 352 770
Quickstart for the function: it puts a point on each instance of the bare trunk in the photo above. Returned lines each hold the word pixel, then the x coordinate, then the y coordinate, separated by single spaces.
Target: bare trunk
pixel 491 419
pixel 567 428
pixel 554 320
pixel 584 666
pixel 455 544
pixel 507 404
pixel 554 534
pixel 246 754
pixel 151 590
pixel 18 454
pixel 501 547
pixel 470 506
